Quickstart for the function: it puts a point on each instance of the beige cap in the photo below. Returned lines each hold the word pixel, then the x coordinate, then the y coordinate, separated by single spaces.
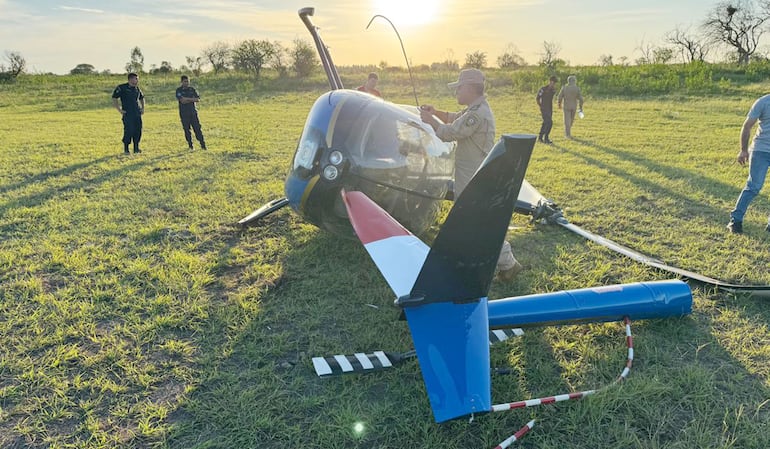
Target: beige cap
pixel 468 76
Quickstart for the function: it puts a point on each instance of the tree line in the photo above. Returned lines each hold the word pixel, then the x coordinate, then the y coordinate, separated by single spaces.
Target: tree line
pixel 736 26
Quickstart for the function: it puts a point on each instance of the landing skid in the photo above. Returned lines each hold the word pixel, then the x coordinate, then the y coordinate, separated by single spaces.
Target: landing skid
pixel 263 211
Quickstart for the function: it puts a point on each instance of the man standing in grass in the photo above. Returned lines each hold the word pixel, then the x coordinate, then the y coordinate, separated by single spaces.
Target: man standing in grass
pixel 544 100
pixel 758 158
pixel 131 108
pixel 570 96
pixel 188 112
pixel 473 129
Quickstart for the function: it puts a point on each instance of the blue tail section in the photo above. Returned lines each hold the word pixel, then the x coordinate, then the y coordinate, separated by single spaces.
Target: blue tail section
pixel 637 301
pixel 452 343
pixel 447 306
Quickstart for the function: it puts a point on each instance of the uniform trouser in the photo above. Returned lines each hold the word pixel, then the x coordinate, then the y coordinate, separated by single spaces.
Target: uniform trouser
pixel 569 119
pixel 191 120
pixel 506 261
pixel 545 128
pixel 132 129
pixel 759 163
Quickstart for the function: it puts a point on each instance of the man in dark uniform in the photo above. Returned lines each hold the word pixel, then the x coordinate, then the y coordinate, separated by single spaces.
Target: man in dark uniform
pixel 188 112
pixel 545 101
pixel 131 107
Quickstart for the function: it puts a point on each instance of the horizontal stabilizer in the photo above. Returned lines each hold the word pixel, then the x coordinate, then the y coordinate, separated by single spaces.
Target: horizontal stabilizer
pixel 398 254
pixel 638 301
pixel 463 257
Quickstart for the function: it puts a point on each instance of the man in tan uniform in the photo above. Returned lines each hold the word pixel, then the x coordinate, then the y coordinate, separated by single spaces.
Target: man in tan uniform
pixel 473 129
pixel 573 102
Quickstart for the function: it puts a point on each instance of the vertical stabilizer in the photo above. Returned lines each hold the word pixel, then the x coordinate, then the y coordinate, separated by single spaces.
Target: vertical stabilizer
pixel 462 259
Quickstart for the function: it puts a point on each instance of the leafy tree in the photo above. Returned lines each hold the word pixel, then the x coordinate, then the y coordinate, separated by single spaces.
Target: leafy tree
pixel 449 62
pixel 510 59
pixel 136 64
pixel 278 60
pixel 251 55
pixel 691 47
pixel 605 60
pixel 662 55
pixel 16 66
pixel 83 69
pixel 738 25
pixel 549 57
pixel 217 54
pixel 304 60
pixel 195 64
pixel 165 67
pixel 477 59
pixel 654 54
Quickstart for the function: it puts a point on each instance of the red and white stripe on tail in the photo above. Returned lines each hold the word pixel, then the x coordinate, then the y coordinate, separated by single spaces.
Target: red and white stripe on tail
pixel 398 254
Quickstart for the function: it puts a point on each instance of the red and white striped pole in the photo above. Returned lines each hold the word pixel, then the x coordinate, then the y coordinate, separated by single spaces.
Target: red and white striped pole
pixel 564 397
pixel 516 436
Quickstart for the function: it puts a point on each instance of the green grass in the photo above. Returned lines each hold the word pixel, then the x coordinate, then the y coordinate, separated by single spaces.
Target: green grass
pixel 133 313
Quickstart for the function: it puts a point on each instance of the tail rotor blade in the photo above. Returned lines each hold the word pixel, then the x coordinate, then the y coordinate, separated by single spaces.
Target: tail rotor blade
pixel 363 363
pixel 358 362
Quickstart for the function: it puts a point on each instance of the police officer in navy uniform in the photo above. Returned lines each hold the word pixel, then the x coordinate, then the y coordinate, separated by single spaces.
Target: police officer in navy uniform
pixel 188 112
pixel 131 107
pixel 544 101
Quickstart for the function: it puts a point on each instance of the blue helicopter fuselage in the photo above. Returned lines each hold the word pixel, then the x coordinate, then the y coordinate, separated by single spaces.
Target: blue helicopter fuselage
pixel 357 141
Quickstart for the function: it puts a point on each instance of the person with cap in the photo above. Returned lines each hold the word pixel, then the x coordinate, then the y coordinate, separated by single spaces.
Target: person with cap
pixel 544 100
pixel 573 102
pixel 370 86
pixel 473 128
pixel 131 108
pixel 188 111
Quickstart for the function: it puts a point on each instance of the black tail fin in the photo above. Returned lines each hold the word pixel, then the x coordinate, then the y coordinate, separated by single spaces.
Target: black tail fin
pixel 462 259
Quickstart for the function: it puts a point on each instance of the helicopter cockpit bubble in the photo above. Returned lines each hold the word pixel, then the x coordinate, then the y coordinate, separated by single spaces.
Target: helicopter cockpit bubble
pixel 356 141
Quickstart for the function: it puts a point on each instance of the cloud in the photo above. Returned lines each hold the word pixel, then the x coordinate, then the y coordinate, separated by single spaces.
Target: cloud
pixel 74 8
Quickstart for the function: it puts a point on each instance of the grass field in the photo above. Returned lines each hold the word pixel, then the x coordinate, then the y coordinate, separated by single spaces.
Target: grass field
pixel 134 313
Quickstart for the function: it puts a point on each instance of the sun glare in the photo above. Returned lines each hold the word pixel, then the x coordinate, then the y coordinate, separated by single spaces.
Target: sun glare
pixel 407 12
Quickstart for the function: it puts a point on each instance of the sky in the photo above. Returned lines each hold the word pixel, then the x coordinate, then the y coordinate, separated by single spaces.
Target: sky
pixel 56 35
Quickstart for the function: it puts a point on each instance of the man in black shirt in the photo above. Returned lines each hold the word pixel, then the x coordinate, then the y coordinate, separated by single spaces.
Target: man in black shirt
pixel 545 101
pixel 188 112
pixel 131 107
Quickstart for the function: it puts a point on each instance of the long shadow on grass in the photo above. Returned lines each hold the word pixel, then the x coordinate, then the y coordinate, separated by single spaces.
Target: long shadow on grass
pixel 87 183
pixel 41 177
pixel 713 188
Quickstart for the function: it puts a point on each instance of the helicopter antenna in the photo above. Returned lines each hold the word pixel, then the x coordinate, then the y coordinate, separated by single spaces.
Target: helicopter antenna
pixel 414 91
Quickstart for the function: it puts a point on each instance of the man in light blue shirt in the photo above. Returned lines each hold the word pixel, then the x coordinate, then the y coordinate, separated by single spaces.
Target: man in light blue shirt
pixel 758 158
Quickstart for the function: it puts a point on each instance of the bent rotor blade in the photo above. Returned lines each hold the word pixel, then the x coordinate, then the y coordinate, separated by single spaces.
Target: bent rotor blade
pixel 364 363
pixel 756 290
pixel 531 202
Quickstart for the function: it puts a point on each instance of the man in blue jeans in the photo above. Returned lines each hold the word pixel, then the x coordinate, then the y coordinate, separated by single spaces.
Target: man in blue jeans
pixel 758 158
